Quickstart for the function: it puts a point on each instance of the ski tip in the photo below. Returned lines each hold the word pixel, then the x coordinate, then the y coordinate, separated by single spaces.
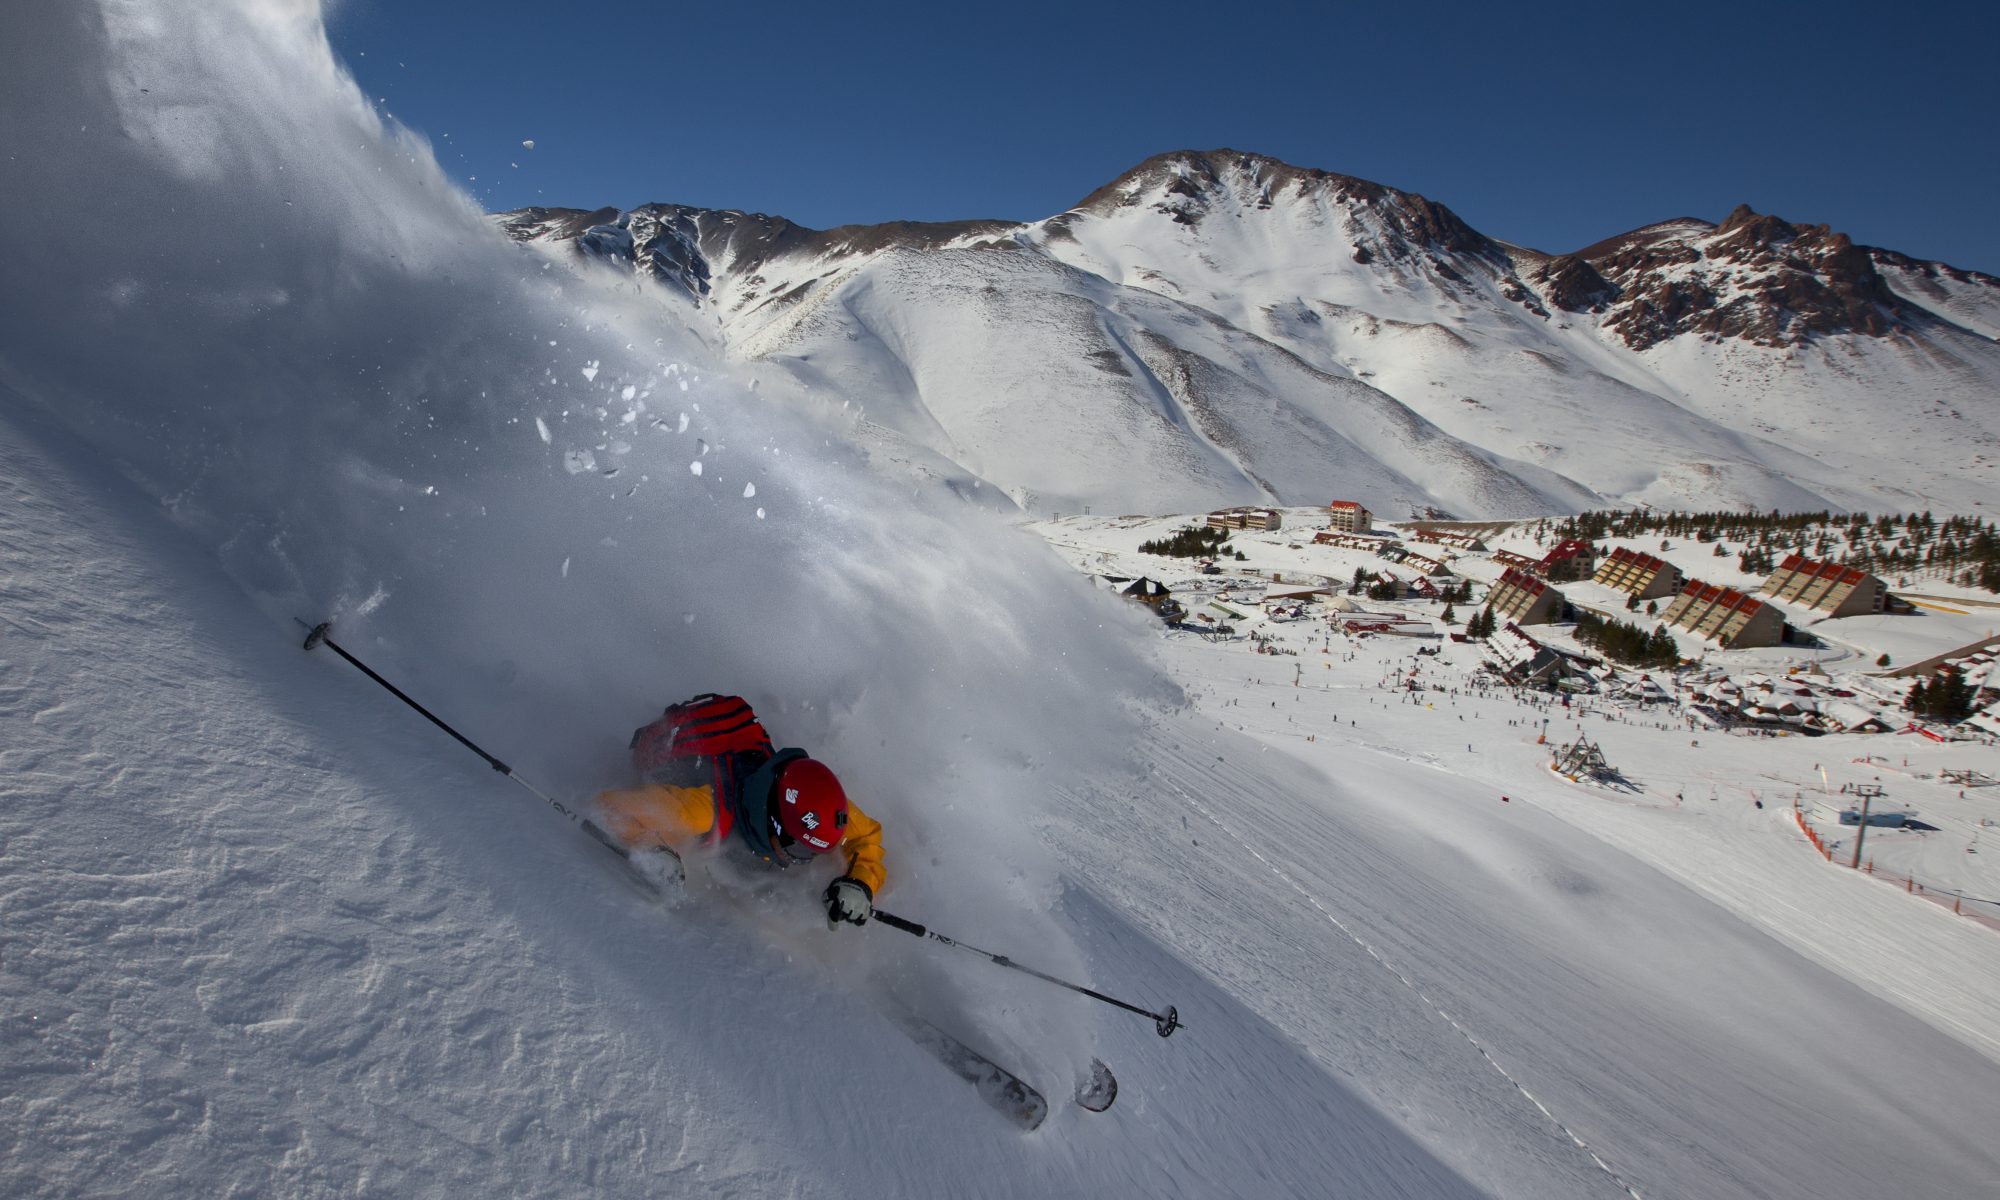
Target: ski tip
pixel 1026 1108
pixel 1098 1090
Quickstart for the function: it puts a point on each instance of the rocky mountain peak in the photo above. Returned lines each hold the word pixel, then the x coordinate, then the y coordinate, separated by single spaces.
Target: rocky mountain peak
pixel 1752 226
pixel 688 248
pixel 1755 277
pixel 1188 185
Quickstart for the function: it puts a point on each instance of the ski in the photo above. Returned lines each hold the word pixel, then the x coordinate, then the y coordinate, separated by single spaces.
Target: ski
pixel 1005 1092
pixel 1008 1094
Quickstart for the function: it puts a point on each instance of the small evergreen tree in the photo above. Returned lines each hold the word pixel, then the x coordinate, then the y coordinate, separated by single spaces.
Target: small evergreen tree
pixel 1948 698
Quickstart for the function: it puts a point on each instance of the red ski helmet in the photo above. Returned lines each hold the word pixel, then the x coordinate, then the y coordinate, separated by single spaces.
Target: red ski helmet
pixel 808 809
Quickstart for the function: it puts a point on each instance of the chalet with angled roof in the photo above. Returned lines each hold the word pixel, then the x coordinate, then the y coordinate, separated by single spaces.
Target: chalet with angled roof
pixel 1572 558
pixel 1827 587
pixel 1524 599
pixel 1640 575
pixel 1724 616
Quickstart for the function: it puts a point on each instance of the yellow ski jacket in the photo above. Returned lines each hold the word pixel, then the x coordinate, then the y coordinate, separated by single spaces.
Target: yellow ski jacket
pixel 676 817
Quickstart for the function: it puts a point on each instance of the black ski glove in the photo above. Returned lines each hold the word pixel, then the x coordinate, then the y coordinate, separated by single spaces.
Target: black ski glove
pixel 848 899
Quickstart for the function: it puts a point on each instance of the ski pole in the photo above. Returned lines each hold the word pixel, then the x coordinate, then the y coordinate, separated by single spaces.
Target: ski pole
pixel 1166 1022
pixel 318 637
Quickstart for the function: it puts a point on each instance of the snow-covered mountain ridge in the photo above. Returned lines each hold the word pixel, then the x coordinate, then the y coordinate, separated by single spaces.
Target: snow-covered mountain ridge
pixel 1219 326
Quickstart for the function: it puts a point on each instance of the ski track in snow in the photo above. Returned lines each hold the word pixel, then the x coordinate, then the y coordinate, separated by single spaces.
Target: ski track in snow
pixel 1415 988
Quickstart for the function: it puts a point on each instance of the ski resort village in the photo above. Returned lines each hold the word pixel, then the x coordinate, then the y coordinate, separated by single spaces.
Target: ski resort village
pixel 1691 682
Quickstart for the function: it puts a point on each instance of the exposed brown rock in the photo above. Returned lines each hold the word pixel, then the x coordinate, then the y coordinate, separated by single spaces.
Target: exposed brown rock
pixel 1754 277
pixel 1573 285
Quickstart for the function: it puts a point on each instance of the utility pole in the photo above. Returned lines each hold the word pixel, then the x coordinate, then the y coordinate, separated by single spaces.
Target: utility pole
pixel 1867 792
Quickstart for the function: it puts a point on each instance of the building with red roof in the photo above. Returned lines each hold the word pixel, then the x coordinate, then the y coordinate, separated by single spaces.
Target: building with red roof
pixel 1349 516
pixel 1524 599
pixel 1827 587
pixel 1725 616
pixel 1640 575
pixel 1572 558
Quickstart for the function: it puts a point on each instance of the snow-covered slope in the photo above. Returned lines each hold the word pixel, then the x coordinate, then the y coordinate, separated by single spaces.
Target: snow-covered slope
pixel 265 932
pixel 1221 327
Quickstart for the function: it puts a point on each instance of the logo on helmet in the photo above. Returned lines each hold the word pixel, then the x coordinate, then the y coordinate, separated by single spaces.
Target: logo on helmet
pixel 810 807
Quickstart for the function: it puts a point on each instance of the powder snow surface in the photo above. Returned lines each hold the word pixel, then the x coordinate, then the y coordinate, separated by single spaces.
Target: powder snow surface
pixel 263 931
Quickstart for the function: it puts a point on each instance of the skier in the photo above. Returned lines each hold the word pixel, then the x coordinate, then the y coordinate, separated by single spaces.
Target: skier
pixel 709 770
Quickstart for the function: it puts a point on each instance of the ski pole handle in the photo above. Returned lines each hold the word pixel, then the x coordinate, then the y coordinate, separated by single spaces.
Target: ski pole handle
pixel 895 922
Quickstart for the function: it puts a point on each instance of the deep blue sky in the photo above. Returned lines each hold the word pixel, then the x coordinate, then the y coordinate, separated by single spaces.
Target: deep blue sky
pixel 1551 125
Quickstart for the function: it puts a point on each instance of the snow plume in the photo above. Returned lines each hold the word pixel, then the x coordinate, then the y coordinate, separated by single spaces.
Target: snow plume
pixel 262 299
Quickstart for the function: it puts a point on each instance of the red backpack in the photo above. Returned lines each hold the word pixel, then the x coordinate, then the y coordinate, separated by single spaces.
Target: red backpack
pixel 710 740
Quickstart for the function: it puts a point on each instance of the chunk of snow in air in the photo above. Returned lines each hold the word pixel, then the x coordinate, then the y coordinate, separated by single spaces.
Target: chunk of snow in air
pixel 631 390
pixel 576 462
pixel 542 427
pixel 590 370
pixel 695 466
pixel 749 490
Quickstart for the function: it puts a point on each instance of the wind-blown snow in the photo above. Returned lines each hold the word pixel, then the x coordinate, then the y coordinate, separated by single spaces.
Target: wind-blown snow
pixel 369 409
pixel 267 932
